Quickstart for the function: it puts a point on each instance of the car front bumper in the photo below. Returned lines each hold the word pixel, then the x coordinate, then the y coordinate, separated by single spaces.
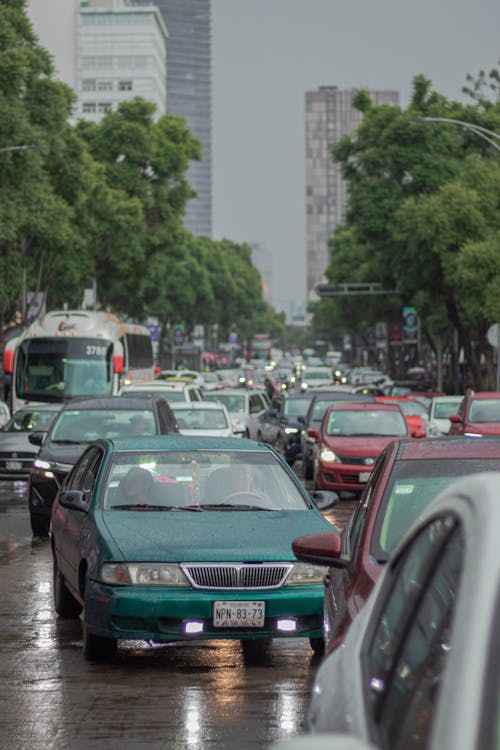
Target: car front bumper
pixel 342 477
pixel 151 613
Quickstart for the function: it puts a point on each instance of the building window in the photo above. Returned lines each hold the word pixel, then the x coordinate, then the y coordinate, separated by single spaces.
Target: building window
pixel 105 86
pixel 88 84
pixel 105 106
pixel 124 85
pixel 89 107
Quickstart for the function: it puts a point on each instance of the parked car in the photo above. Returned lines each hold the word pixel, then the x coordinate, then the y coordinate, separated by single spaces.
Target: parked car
pixel 419 667
pixel 314 417
pixel 478 414
pixel 440 410
pixel 202 418
pixel 179 538
pixel 350 439
pixel 246 406
pixel 78 423
pixel 281 426
pixel 407 476
pixel 170 390
pixel 16 452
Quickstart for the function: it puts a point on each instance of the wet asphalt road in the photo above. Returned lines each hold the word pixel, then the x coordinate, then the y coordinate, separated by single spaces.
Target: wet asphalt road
pixel 196 696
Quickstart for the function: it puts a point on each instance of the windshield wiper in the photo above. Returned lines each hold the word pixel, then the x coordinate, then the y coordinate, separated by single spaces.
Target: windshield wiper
pixel 146 506
pixel 235 506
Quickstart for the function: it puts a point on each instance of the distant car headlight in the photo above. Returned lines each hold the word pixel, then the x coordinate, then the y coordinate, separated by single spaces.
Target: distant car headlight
pixel 328 456
pixel 304 574
pixel 46 468
pixel 38 463
pixel 291 430
pixel 143 574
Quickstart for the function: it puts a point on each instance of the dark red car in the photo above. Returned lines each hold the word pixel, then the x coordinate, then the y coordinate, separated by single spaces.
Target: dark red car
pixel 479 414
pixel 350 439
pixel 407 476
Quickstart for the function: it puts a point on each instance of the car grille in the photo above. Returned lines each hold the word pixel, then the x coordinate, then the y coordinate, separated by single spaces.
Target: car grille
pixel 25 459
pixel 237 575
pixel 356 460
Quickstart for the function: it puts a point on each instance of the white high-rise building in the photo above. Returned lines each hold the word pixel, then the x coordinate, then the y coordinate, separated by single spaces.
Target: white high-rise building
pixel 106 50
pixel 329 116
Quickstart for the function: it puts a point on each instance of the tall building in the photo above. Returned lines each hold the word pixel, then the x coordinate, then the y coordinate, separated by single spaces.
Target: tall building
pixel 106 50
pixel 189 95
pixel 329 116
pixel 263 261
pixel 122 54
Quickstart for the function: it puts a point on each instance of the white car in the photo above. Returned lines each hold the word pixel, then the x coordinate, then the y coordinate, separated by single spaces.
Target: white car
pixel 246 406
pixel 442 407
pixel 313 376
pixel 203 419
pixel 171 391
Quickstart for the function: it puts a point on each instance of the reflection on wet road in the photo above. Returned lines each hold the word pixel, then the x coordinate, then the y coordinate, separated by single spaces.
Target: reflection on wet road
pixel 205 694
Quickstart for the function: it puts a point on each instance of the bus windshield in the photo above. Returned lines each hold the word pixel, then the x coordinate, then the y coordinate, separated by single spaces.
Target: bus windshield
pixel 62 368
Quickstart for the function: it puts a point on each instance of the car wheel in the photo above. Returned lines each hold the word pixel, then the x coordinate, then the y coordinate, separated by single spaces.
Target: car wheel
pixel 307 469
pixel 97 647
pixel 317 645
pixel 65 603
pixel 39 525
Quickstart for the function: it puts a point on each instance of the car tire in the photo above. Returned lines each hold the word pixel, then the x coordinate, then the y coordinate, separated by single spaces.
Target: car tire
pixel 65 603
pixel 307 469
pixel 317 645
pixel 39 525
pixel 97 647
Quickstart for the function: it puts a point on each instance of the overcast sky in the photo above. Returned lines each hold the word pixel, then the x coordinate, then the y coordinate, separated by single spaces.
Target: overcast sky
pixel 267 53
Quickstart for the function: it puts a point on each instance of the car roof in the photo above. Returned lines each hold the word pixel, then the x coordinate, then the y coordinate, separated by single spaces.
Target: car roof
pixel 447 446
pixel 361 406
pixel 485 394
pixel 177 442
pixel 114 403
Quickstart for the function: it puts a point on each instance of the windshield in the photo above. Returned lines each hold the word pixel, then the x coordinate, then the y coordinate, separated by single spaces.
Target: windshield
pixel 411 488
pixel 204 480
pixel 58 368
pixel 412 408
pixel 201 419
pixel 234 403
pixel 29 420
pixel 85 425
pixel 444 409
pixel 347 423
pixel 296 407
pixel 485 410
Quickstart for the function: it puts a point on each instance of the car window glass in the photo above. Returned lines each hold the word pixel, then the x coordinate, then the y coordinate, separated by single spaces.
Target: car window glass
pixel 83 477
pixel 411 692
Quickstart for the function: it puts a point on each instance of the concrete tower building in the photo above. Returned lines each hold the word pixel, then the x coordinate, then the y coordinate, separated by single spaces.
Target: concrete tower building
pixel 189 95
pixel 329 116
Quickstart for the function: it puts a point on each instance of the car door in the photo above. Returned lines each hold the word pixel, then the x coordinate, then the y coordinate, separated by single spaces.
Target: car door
pixel 256 407
pixel 405 647
pixel 72 538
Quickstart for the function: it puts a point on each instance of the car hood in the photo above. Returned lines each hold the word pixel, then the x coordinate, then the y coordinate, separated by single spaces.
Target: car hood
pixel 357 446
pixel 16 441
pixel 205 536
pixel 65 453
pixel 483 428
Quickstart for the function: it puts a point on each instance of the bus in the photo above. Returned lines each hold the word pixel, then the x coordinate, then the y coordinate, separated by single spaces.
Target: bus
pixel 73 353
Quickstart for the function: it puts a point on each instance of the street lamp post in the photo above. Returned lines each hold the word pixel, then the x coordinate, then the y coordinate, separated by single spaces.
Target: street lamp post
pixel 484 133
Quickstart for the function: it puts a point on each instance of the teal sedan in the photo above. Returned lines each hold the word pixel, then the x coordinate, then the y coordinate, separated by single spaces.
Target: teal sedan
pixel 174 538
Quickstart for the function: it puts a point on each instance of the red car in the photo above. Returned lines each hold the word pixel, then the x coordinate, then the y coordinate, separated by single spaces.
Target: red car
pixel 350 439
pixel 414 411
pixel 407 476
pixel 479 414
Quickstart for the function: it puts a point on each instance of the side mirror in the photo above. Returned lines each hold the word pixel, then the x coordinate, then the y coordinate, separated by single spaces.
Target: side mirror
pixel 324 499
pixel 323 548
pixel 36 438
pixel 455 418
pixel 419 433
pixel 74 500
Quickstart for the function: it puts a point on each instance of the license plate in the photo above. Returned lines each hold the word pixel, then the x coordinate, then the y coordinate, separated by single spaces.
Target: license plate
pixel 235 614
pixel 364 476
pixel 13 465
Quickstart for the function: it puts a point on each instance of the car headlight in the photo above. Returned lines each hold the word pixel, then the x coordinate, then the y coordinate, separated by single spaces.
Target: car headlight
pixel 328 456
pixel 238 426
pixel 290 430
pixel 143 574
pixel 304 574
pixel 46 468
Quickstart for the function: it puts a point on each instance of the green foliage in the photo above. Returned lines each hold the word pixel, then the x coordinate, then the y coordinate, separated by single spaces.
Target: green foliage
pixel 423 218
